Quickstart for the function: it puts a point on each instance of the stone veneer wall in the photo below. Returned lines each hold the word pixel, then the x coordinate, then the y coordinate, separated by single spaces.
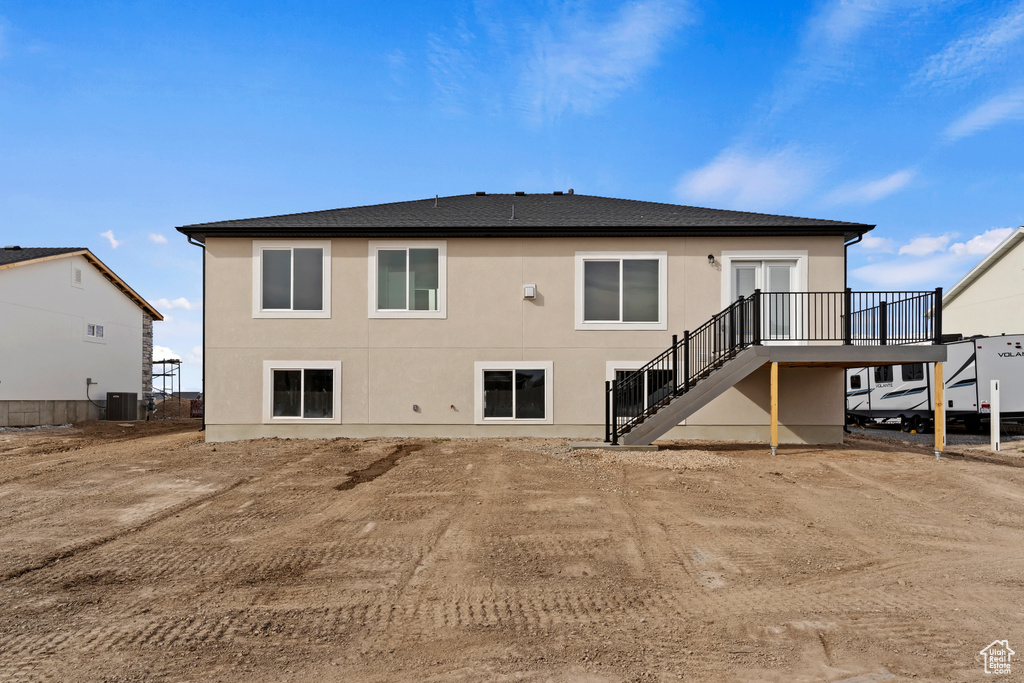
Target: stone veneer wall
pixel 147 357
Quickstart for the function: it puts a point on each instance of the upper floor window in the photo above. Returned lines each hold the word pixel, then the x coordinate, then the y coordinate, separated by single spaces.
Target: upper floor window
pixel 291 279
pixel 94 332
pixel 621 290
pixel 408 279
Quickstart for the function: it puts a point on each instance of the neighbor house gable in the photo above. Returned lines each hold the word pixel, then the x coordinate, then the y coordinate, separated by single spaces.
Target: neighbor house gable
pixel 14 257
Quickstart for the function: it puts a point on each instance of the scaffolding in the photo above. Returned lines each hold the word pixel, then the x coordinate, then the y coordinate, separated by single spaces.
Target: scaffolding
pixel 170 370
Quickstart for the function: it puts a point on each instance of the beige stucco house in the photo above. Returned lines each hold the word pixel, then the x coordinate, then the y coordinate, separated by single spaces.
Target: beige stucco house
pixel 71 331
pixel 989 300
pixel 497 315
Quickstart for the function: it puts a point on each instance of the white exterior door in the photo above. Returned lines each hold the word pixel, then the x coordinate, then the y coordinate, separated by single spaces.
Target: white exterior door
pixel 776 280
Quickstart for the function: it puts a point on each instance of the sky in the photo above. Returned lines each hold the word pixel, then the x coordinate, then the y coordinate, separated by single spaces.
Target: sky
pixel 120 121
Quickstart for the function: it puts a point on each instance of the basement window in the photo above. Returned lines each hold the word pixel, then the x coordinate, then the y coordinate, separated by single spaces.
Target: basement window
pixel 408 279
pixel 291 279
pixel 643 392
pixel 307 392
pixel 513 392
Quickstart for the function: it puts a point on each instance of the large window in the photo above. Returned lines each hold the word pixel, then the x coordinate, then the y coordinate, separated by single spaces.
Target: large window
pixel 621 290
pixel 512 392
pixel 302 391
pixel 291 279
pixel 407 279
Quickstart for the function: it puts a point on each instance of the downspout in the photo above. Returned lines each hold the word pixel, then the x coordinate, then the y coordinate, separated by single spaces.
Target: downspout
pixel 846 247
pixel 203 247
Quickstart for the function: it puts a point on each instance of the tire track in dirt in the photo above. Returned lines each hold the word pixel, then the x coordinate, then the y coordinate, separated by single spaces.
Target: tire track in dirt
pixel 97 541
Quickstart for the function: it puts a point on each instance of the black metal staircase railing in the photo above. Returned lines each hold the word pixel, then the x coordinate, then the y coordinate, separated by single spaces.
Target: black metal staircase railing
pixel 852 318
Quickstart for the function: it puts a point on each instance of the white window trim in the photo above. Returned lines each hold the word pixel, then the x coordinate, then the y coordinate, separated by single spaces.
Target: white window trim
pixel 478 382
pixel 442 278
pixel 257 278
pixel 92 337
pixel 613 365
pixel 268 390
pixel 661 256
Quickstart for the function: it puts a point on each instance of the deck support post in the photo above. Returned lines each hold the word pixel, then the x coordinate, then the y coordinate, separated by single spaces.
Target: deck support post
pixel 775 407
pixel 939 417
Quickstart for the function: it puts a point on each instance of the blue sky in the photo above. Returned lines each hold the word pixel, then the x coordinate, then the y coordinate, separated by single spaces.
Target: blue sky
pixel 122 120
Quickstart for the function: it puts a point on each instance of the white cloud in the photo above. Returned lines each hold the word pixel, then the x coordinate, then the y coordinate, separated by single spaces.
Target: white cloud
pixel 736 179
pixel 450 60
pixel 164 353
pixel 194 356
pixel 109 234
pixel 1006 107
pixel 828 48
pixel 969 55
pixel 581 64
pixel 924 245
pixel 923 274
pixel 881 245
pixel 982 244
pixel 873 190
pixel 179 303
pixel 157 238
pixel 927 262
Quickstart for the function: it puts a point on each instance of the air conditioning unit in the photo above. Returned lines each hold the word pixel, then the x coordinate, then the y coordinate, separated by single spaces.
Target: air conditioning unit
pixel 122 405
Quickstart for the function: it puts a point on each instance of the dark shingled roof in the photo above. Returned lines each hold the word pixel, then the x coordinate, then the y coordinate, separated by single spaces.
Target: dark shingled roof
pixel 18 254
pixel 527 215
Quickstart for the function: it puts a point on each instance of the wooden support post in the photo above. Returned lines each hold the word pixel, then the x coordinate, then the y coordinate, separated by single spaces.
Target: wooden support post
pixel 775 407
pixel 939 417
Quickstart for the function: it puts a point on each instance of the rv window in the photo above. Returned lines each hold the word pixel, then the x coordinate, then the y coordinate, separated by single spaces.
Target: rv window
pixel 855 381
pixel 883 373
pixel 913 372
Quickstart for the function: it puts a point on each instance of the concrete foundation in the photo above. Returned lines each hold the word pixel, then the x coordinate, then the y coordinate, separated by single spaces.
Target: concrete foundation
pixel 794 434
pixel 36 413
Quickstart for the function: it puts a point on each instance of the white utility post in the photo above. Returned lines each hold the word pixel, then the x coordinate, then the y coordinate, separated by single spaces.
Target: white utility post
pixel 994 415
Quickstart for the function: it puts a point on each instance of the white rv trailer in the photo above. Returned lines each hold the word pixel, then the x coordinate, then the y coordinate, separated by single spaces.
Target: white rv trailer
pixel 906 391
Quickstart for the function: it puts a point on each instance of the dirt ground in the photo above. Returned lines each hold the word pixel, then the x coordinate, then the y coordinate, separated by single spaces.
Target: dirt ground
pixel 141 553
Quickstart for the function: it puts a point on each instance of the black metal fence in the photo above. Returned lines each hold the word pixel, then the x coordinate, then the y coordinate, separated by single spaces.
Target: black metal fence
pixel 848 317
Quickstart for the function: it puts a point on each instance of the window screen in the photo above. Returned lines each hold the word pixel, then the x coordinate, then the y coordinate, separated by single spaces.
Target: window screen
pixel 305 393
pixel 293 279
pixel 514 394
pixel 624 290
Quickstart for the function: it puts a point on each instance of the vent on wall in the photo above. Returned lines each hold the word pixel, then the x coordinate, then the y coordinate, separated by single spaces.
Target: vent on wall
pixel 76 276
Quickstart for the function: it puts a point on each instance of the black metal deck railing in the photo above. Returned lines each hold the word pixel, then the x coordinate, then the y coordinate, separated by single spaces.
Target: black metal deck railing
pixel 848 317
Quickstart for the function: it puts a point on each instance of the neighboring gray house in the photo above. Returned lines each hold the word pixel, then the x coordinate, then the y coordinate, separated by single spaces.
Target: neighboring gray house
pixel 67 319
pixel 498 315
